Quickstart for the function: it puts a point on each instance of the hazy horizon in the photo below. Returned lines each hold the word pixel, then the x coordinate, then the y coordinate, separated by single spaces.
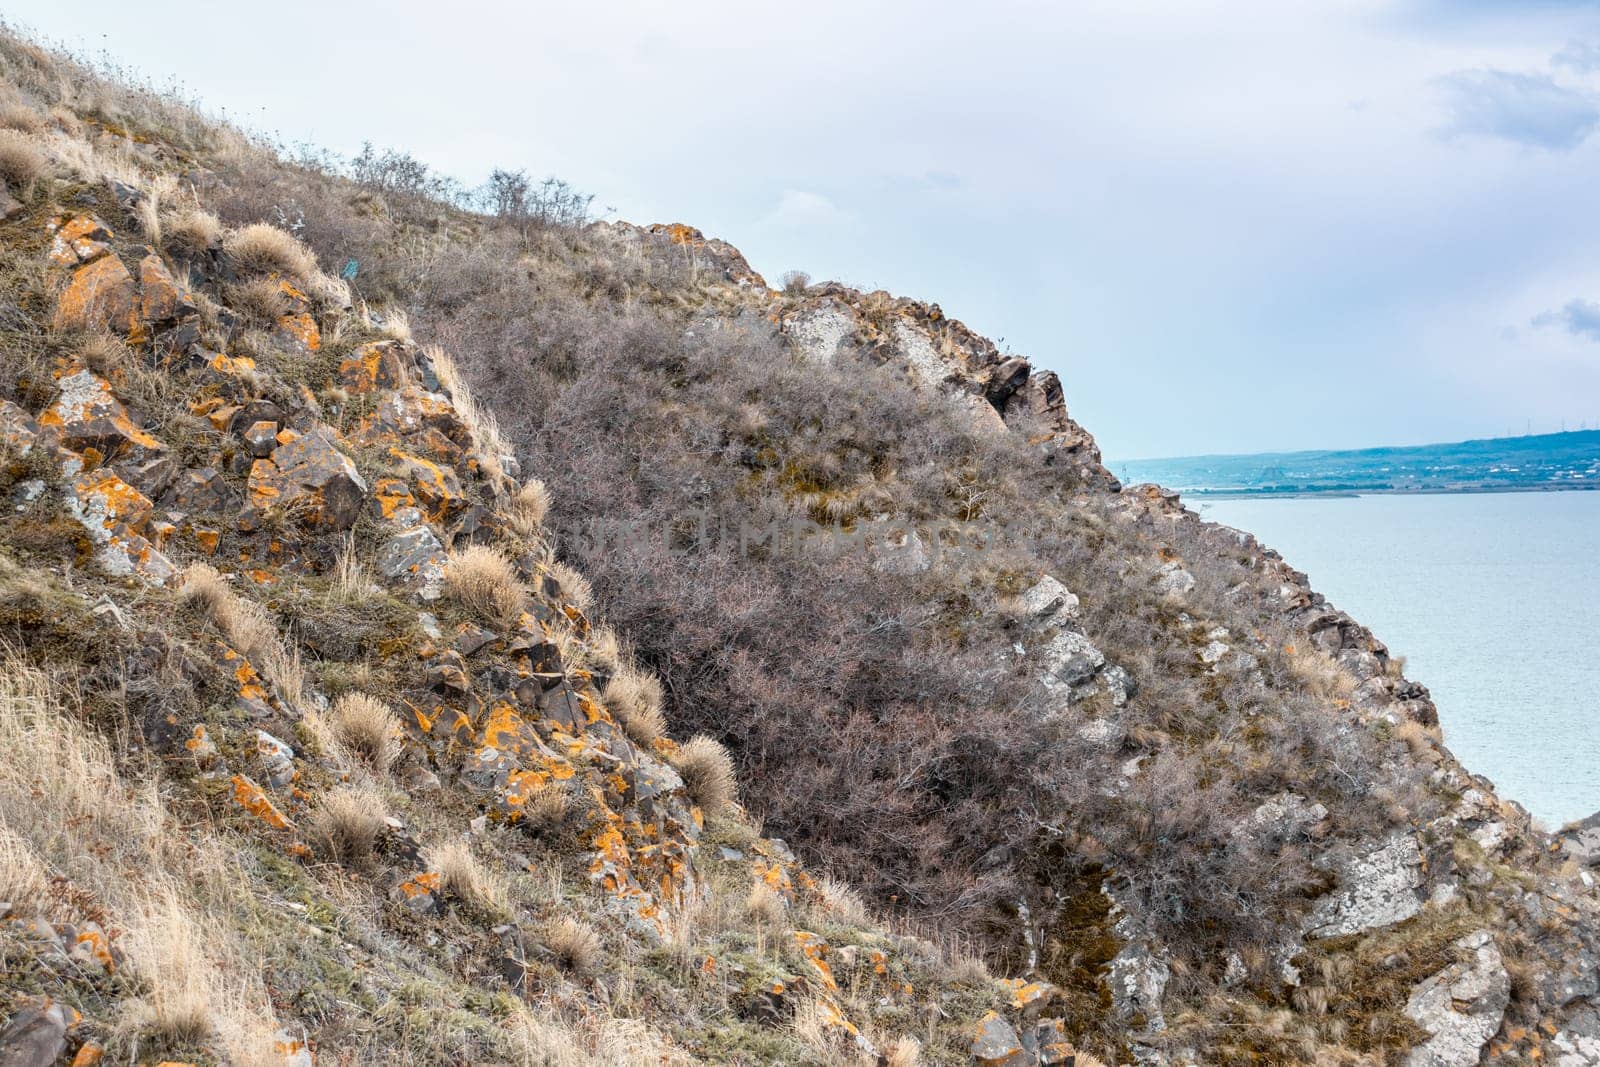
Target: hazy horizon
pixel 1331 226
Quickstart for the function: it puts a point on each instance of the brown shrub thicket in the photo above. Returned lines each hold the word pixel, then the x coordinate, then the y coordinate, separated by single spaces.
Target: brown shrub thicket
pixel 879 715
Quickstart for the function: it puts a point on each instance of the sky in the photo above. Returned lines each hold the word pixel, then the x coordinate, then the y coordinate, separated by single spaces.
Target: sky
pixel 1229 226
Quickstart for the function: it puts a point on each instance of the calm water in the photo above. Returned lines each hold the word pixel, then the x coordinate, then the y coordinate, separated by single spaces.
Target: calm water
pixel 1494 600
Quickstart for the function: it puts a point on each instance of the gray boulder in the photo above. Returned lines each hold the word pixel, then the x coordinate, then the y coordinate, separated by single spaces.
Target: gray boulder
pixel 1462 1006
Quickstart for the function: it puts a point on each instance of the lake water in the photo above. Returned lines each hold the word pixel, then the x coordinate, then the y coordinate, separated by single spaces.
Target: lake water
pixel 1494 600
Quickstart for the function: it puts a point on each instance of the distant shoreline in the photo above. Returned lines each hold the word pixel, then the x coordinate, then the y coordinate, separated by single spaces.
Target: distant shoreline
pixel 1250 494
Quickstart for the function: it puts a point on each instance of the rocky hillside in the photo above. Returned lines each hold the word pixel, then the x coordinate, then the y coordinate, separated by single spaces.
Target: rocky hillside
pixel 321 747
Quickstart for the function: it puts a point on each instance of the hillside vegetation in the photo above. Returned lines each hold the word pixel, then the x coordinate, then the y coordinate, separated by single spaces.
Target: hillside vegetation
pixel 441 628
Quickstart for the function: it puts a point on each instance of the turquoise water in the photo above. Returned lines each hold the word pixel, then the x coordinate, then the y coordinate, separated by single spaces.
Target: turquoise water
pixel 1494 600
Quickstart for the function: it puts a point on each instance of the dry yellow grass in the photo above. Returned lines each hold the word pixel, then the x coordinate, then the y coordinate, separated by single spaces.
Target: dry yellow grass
pixel 635 699
pixel 191 231
pixel 260 298
pixel 21 118
pixel 525 510
pixel 23 880
pixel 480 422
pixel 463 877
pixel 574 586
pixel 395 324
pixel 546 810
pixel 21 162
pixel 170 955
pixel 126 853
pixel 903 1052
pixel 484 582
pixel 248 628
pixel 764 905
pixel 265 249
pixel 707 772
pixel 347 825
pixel 366 729
pixel 842 903
pixel 575 946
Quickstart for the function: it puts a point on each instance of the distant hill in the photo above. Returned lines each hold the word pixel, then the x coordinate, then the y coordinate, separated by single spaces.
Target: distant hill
pixel 1537 461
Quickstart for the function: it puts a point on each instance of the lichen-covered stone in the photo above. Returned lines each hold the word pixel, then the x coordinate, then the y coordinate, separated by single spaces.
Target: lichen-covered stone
pixel 1462 1006
pixel 87 415
pixel 1379 888
pixel 100 295
pixel 996 1044
pixel 114 515
pixel 309 478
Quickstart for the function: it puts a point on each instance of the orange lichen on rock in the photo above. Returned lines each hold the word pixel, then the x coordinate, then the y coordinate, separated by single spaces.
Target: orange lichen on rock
pixel 100 295
pixel 250 797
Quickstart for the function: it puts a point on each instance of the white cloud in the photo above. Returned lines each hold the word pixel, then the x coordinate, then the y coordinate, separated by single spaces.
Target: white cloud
pixel 797 208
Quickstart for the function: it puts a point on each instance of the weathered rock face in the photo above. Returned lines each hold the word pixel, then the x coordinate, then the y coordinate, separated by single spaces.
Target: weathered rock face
pixel 1375 889
pixel 1462 1006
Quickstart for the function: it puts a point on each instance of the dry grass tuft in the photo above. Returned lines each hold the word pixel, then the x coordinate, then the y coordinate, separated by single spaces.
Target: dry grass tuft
pixel 525 510
pixel 486 584
pixel 574 586
pixel 764 905
pixel 21 162
pixel 23 881
pixel 348 824
pixel 260 299
pixel 395 324
pixel 480 421
pixel 366 728
pixel 575 945
pixel 1422 741
pixel 169 952
pixel 707 772
pixel 842 903
pixel 248 628
pixel 21 118
pixel 635 698
pixel 602 651
pixel 462 876
pixel 903 1052
pixel 191 232
pixel 546 810
pixel 265 249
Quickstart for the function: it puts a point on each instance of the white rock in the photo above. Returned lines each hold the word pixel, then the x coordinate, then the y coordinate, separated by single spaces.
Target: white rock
pixel 1374 890
pixel 1462 1006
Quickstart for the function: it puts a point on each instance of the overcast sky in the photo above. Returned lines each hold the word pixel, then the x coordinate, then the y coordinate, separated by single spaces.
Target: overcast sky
pixel 1229 226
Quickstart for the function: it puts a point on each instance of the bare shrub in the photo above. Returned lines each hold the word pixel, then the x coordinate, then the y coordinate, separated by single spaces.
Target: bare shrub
pixel 347 825
pixel 265 249
pixel 21 162
pixel 366 728
pixel 795 281
pixel 707 772
pixel 635 697
pixel 485 583
pixel 575 945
